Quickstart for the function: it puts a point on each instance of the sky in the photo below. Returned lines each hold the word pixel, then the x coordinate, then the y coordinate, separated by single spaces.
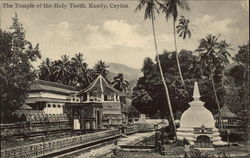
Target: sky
pixel 122 35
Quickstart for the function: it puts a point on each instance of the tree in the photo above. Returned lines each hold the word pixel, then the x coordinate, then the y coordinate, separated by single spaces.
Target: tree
pixel 152 8
pixel 100 68
pixel 212 55
pixel 183 28
pixel 69 71
pixel 240 72
pixel 171 9
pixel 80 74
pixel 46 72
pixel 16 70
pixel 61 70
pixel 120 83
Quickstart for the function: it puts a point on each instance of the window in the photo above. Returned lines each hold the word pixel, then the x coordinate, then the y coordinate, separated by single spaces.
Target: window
pixel 49 105
pixel 54 105
pixel 105 97
pixel 59 106
pixel 73 99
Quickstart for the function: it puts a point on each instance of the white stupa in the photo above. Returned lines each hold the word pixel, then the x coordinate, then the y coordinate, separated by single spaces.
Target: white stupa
pixel 197 124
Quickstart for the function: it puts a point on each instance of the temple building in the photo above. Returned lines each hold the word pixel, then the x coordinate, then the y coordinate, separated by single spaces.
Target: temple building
pixel 197 124
pixel 101 92
pixel 49 96
pixel 92 108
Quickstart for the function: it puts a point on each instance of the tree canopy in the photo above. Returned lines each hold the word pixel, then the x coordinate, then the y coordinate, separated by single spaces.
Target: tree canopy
pixel 16 70
pixel 148 95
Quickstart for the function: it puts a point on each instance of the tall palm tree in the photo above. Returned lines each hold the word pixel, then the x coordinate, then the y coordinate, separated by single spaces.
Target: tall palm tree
pixel 45 70
pixel 171 9
pixel 101 68
pixel 120 83
pixel 152 7
pixel 183 28
pixel 79 68
pixel 62 70
pixel 212 54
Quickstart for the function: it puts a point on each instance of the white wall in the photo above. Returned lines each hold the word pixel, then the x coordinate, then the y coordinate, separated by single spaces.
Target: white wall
pixel 47 95
pixel 54 110
pixel 53 95
pixel 34 94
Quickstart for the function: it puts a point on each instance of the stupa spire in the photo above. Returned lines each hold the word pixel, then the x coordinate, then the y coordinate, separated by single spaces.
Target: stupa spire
pixel 196 93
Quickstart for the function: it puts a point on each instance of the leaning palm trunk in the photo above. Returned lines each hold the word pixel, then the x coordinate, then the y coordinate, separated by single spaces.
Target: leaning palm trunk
pixel 243 90
pixel 177 55
pixel 217 100
pixel 162 77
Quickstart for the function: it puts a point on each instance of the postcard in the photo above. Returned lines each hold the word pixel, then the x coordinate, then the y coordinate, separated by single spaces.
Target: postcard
pixel 124 78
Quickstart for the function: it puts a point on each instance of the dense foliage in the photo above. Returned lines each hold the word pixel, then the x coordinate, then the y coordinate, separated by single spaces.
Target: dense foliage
pixel 74 71
pixel 148 95
pixel 16 70
pixel 240 73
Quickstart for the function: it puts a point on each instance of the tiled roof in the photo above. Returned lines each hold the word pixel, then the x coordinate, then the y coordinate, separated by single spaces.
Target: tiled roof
pixel 41 85
pixel 99 85
pixel 43 99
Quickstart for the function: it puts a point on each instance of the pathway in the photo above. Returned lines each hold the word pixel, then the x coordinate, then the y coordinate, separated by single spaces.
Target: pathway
pixel 129 140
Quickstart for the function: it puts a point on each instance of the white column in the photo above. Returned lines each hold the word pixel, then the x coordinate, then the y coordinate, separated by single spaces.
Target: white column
pixel 115 97
pixel 102 97
pixel 88 97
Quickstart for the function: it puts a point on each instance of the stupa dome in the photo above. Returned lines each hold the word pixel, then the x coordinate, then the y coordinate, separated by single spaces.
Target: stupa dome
pixel 197 117
pixel 198 121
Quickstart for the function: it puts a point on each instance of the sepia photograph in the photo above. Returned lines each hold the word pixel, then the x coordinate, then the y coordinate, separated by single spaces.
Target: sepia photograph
pixel 124 78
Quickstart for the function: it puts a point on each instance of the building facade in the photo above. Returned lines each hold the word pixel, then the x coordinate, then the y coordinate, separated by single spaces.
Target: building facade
pixel 49 97
pixel 92 108
pixel 101 92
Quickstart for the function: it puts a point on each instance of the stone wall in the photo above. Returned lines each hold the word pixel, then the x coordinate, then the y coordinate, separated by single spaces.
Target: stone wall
pixel 47 147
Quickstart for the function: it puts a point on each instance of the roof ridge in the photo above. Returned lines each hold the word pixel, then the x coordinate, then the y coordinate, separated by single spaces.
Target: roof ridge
pixel 90 86
pixel 111 86
pixel 102 80
pixel 101 83
pixel 55 84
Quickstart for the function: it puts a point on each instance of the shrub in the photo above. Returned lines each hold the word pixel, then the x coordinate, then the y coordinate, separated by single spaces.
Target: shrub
pixel 182 142
pixel 234 136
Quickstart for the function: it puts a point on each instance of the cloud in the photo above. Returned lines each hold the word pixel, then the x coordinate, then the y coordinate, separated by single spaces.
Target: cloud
pixel 113 33
pixel 60 32
pixel 209 24
pixel 58 39
pixel 111 41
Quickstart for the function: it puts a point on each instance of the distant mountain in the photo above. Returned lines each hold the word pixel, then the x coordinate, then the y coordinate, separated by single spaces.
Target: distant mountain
pixel 130 74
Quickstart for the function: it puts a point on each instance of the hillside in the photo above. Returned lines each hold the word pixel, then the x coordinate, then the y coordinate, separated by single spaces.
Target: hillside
pixel 130 74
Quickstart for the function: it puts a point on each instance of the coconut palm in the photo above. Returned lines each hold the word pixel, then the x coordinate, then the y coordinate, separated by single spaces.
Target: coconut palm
pixel 224 50
pixel 171 10
pixel 45 70
pixel 152 8
pixel 120 83
pixel 101 68
pixel 62 70
pixel 79 68
pixel 183 28
pixel 213 54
